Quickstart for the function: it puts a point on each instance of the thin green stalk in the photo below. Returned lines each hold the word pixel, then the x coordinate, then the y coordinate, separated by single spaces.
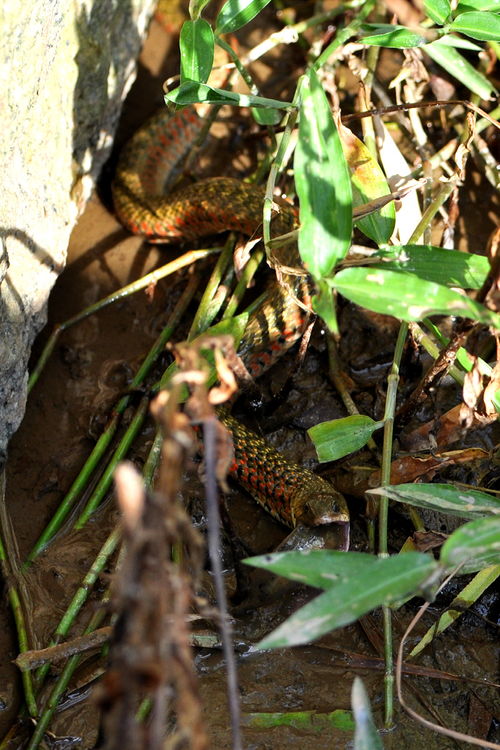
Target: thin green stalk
pixel 289 33
pixel 442 196
pixel 248 273
pixel 390 410
pixel 276 167
pixel 206 312
pixel 343 35
pixel 151 278
pixel 104 441
pixel 120 452
pixel 61 686
pixel 80 597
pixel 463 356
pixel 430 347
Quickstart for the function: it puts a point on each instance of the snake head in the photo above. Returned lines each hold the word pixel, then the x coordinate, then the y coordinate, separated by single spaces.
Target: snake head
pixel 318 503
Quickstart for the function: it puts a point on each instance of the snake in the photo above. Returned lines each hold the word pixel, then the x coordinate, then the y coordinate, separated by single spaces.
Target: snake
pixel 146 206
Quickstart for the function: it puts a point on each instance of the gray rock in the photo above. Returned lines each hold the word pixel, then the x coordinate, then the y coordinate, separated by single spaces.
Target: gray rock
pixel 65 68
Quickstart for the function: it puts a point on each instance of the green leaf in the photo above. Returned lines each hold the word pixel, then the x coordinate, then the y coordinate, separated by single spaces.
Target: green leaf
pixel 444 498
pixel 457 66
pixel 323 184
pixel 323 305
pixel 385 582
pixel 468 5
pixel 366 736
pixel 475 544
pixel 438 10
pixel 447 267
pixel 339 437
pixel 479 25
pixel 266 116
pixel 236 13
pixel 320 569
pixel 191 92
pixel 368 183
pixel 310 721
pixel 407 297
pixel 398 37
pixel 197 50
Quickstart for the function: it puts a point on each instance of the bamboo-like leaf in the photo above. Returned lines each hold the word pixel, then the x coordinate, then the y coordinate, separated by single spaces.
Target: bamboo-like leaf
pixel 407 297
pixel 197 50
pixel 388 580
pixel 467 5
pixel 474 546
pixel 236 13
pixel 191 92
pixel 457 66
pixel 323 184
pixel 444 498
pixel 368 183
pixel 447 267
pixel 397 37
pixel 438 10
pixel 339 437
pixel 320 569
pixel 479 25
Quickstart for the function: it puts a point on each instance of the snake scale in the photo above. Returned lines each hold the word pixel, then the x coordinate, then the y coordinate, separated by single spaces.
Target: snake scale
pixel 145 170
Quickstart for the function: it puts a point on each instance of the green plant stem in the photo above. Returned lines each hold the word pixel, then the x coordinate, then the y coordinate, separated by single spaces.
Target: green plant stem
pixel 119 454
pixel 390 410
pixel 442 196
pixel 151 278
pixel 289 34
pixel 243 283
pixel 206 311
pixel 80 597
pixel 104 441
pixel 343 35
pixel 276 167
pixel 430 347
pixel 61 685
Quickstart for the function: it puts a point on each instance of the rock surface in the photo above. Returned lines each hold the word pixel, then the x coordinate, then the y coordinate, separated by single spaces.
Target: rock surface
pixel 66 66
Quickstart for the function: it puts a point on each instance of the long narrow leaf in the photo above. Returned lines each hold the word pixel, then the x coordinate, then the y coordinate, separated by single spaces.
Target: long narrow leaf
pixel 474 546
pixel 388 581
pixel 483 26
pixel 457 66
pixel 323 184
pixel 368 183
pixel 444 498
pixel 191 92
pixel 197 50
pixel 339 437
pixel 236 13
pixel 320 569
pixel 447 267
pixel 407 297
pixel 438 10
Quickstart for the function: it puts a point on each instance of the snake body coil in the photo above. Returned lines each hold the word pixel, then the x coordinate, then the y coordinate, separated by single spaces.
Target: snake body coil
pixel 145 170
